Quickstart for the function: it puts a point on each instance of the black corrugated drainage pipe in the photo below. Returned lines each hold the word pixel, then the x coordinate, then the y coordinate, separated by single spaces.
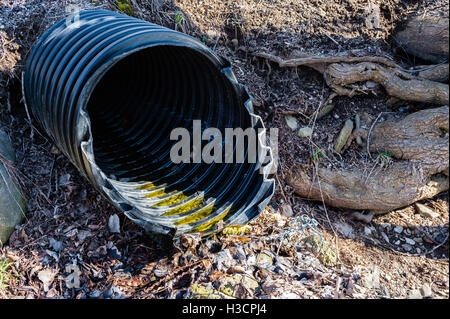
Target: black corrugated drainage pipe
pixel 110 90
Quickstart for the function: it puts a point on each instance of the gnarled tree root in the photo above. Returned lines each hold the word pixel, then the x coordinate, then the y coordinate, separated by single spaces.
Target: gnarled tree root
pixel 420 144
pixel 346 75
pixel 340 76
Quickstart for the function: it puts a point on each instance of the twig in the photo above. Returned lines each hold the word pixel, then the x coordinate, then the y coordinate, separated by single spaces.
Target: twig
pixel 328 219
pixel 26 107
pixel 437 246
pixel 217 41
pixel 370 131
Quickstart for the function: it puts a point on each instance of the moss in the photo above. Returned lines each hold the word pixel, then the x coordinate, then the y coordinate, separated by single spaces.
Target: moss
pixel 125 7
pixel 237 230
pixel 201 292
pixel 321 249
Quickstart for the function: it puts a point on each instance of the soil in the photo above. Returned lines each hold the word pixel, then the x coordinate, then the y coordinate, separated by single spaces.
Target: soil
pixel 67 220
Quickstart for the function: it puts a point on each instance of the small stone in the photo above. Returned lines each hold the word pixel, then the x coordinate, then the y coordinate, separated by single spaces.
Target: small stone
pixel 343 136
pixel 291 122
pixel 367 231
pixel 113 292
pixel 426 211
pixel 95 294
pixel 410 241
pixel 305 132
pixel 114 224
pixel 384 292
pixel 12 203
pixel 397 242
pixel 425 291
pixel 325 110
pixel 398 229
pixel 414 294
pixel 407 247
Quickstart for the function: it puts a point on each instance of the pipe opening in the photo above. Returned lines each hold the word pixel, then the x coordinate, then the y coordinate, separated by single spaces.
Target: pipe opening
pixel 133 110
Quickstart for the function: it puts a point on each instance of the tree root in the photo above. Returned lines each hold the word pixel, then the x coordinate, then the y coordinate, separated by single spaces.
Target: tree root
pixel 346 75
pixel 418 141
pixel 340 76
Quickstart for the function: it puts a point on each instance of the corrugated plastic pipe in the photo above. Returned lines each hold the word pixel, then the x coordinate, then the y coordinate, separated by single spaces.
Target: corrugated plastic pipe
pixel 110 89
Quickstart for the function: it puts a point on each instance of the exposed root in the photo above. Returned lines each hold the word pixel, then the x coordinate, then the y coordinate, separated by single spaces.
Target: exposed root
pixel 343 77
pixel 346 75
pixel 418 141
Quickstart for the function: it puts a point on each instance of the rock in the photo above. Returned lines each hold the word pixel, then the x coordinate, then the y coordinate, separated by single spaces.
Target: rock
pixel 345 229
pixel 305 132
pixel 12 203
pixel 95 294
pixel 398 229
pixel 113 292
pixel 291 122
pixel 426 211
pixel 325 110
pixel 343 136
pixel 114 224
pixel 414 294
pixel 425 291
pixel 407 247
pixel 410 241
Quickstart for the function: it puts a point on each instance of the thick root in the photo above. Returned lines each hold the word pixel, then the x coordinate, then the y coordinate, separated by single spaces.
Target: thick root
pixel 346 75
pixel 343 79
pixel 426 36
pixel 382 190
pixel 419 141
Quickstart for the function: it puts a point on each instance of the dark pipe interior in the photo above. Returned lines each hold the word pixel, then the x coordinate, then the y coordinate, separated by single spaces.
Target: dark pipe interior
pixel 147 94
